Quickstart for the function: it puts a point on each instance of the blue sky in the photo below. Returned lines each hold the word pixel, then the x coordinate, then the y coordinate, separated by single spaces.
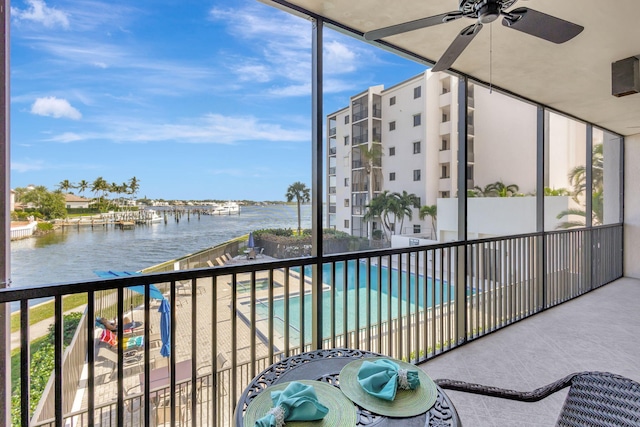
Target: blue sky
pixel 196 99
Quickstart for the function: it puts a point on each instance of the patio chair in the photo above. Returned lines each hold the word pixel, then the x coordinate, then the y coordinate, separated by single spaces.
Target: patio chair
pixel 594 399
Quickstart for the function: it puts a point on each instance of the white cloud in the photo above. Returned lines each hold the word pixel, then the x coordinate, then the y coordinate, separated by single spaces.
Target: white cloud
pixel 27 166
pixel 55 107
pixel 69 137
pixel 281 44
pixel 208 129
pixel 39 12
pixel 253 72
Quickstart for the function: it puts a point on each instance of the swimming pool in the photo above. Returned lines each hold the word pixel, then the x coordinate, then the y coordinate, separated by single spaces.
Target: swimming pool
pixel 384 295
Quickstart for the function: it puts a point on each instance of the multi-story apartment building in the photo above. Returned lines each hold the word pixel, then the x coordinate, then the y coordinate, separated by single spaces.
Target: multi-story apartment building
pixel 405 138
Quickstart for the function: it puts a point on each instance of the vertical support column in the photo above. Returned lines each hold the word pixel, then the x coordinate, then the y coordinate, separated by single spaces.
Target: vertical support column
pixel 461 256
pixel 316 180
pixel 5 221
pixel 541 245
pixel 588 217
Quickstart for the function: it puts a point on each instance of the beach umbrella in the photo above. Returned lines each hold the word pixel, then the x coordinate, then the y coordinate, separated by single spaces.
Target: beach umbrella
pixel 251 244
pixel 165 328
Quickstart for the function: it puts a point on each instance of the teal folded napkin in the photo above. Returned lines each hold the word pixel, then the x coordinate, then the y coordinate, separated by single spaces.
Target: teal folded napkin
pixel 383 377
pixel 297 402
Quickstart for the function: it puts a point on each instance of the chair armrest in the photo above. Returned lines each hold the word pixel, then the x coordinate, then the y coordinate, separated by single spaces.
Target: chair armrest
pixel 523 396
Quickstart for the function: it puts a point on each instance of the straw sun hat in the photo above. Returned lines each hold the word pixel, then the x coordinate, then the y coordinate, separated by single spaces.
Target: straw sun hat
pixel 342 411
pixel 407 403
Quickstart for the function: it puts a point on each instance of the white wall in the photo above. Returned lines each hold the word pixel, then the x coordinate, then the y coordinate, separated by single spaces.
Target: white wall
pixel 632 206
pixel 497 216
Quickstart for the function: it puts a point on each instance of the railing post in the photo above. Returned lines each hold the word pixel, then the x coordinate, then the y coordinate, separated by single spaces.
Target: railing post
pixel 541 244
pixel 461 252
pixel 588 236
pixel 316 179
pixel 5 234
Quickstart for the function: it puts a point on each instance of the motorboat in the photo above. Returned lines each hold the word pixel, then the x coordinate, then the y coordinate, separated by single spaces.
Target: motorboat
pixel 229 208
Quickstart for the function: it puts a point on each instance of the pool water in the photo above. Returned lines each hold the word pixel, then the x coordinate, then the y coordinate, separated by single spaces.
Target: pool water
pixel 387 296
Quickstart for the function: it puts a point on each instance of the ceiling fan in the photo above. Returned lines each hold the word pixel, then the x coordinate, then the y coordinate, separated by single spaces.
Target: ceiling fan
pixel 523 19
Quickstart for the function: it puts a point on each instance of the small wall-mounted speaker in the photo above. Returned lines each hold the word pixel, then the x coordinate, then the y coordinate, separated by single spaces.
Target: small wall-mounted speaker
pixel 625 77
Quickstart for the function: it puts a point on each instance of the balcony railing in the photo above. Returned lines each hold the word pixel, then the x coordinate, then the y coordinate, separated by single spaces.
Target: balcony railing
pixel 332 131
pixel 360 115
pixel 408 303
pixel 360 139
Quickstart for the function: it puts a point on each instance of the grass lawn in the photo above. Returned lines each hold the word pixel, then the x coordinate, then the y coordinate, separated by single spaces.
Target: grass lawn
pixel 46 310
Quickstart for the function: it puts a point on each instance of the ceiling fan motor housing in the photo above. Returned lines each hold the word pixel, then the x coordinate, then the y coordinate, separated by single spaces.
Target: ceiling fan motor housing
pixel 485 10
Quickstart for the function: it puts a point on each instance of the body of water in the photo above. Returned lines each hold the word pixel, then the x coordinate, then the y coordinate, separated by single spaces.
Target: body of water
pixel 73 254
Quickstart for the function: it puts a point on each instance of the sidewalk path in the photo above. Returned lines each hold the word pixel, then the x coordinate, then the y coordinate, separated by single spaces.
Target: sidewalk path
pixel 40 329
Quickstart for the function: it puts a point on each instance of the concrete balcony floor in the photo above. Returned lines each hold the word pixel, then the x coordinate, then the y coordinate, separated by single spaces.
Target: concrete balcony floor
pixel 599 331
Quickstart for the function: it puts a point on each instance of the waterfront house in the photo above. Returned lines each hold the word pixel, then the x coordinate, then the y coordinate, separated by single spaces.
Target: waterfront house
pixel 72 201
pixel 511 309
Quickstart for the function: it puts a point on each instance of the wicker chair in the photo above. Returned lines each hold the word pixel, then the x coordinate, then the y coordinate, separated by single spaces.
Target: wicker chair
pixel 594 398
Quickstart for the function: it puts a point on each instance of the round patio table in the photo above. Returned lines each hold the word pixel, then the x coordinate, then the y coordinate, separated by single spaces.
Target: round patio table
pixel 325 365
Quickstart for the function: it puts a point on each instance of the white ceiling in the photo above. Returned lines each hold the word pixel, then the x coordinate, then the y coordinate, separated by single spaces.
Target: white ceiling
pixel 574 77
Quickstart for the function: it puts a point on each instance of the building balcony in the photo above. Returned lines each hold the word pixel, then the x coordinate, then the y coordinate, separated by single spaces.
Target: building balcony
pixel 332 131
pixel 444 184
pixel 360 139
pixel 445 99
pixel 445 128
pixel 227 323
pixel 360 115
pixel 444 156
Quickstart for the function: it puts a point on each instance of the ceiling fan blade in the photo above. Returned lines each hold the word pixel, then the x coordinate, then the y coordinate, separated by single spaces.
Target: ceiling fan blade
pixel 412 25
pixel 457 47
pixel 541 25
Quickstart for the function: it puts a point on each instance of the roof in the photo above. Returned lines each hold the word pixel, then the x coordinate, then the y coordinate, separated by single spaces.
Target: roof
pixel 74 198
pixel 574 77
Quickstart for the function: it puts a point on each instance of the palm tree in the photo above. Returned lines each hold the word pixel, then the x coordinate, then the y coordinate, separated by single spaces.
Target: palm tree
pixel 404 205
pixel 99 187
pixel 301 193
pixel 82 186
pixel 578 175
pixel 578 178
pixel 371 156
pixel 430 211
pixel 65 186
pixel 134 186
pixel 380 207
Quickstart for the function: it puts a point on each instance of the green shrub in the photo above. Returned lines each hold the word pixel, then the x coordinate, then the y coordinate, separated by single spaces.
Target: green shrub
pixel 42 365
pixel 45 226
